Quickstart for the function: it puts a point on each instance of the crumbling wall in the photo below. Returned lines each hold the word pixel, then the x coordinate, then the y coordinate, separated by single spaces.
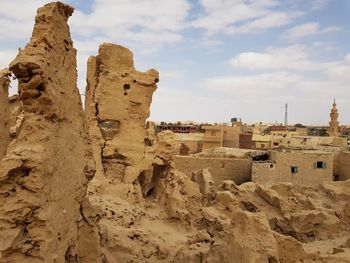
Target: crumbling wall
pixel 44 174
pixel 117 103
pixel 4 111
pixel 236 169
pixel 119 125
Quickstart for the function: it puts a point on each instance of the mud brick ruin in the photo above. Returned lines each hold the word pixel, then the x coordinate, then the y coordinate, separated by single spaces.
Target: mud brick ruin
pixel 97 185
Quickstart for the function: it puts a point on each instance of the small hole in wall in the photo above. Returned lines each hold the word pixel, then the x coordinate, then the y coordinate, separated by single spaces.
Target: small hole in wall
pixel 41 87
pixel 150 192
pixel 126 88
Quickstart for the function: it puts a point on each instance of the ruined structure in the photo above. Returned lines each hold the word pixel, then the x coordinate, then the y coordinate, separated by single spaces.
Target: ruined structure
pixel 43 175
pixel 136 207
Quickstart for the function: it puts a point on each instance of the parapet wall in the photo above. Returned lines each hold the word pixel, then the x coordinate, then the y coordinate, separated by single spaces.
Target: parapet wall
pixel 238 170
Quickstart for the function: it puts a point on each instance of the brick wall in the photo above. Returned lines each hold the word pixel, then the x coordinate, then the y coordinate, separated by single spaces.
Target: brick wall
pixel 238 170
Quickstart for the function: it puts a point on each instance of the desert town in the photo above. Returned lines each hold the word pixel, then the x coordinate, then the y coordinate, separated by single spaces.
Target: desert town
pixel 264 153
pixel 104 184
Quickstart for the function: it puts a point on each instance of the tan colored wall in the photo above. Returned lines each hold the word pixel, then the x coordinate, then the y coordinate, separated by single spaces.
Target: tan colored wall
pixel 279 170
pixel 231 137
pixel 284 133
pixel 195 146
pixel 309 141
pixel 262 145
pixel 238 170
pixel 213 137
pixel 301 131
pixel 209 145
pixel 221 136
pixel 344 166
pixel 340 141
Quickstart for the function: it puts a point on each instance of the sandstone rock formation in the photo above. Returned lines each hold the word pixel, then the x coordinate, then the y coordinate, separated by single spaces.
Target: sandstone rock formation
pixel 136 207
pixel 43 175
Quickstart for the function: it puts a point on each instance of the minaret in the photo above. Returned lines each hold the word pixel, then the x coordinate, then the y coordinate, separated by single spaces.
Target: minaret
pixel 334 123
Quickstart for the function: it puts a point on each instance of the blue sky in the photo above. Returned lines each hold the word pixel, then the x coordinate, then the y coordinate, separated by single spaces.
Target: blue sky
pixel 217 58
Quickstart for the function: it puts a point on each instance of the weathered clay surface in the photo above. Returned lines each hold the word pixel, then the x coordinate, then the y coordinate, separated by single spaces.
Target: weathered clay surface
pixel 43 175
pixel 137 207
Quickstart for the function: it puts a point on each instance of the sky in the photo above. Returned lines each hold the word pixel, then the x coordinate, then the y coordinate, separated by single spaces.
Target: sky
pixel 217 59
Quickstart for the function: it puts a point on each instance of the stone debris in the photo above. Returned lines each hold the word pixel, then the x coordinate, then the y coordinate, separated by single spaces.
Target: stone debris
pixel 100 186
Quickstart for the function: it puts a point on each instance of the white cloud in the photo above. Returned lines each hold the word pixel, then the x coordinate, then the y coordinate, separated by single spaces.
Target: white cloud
pixel 6 57
pixel 295 57
pixel 340 72
pixel 310 95
pixel 324 46
pixel 16 19
pixel 308 29
pixel 318 4
pixel 239 16
pixel 270 21
pixel 171 74
pixel 253 86
pixel 150 22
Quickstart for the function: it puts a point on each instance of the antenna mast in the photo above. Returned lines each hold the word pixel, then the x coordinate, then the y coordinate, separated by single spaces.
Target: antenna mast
pixel 286 115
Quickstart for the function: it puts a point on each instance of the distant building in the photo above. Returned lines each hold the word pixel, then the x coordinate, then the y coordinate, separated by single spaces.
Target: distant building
pixel 246 141
pixel 308 142
pixel 299 167
pixel 284 133
pixel 261 142
pixel 317 131
pixel 192 142
pixel 334 123
pixel 236 122
pixel 275 128
pixel 220 136
pixel 178 127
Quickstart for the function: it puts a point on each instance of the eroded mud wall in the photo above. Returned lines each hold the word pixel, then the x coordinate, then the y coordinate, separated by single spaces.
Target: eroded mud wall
pixel 118 99
pixel 44 174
